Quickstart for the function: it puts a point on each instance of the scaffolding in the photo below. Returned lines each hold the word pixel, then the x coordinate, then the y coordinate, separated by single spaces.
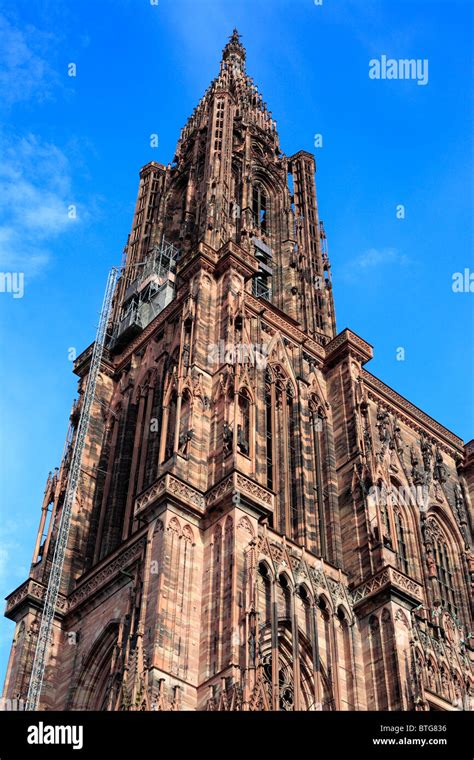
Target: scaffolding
pixel 54 582
pixel 148 293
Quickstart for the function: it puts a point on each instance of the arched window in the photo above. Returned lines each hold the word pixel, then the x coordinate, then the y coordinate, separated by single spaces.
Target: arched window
pixel 265 601
pixel 95 690
pixel 170 426
pixel 401 548
pixel 445 576
pixel 154 435
pixel 378 695
pixel 269 429
pixel 259 207
pixel 111 522
pixel 281 450
pixel 384 514
pixel 243 425
pixel 292 459
pixel 284 598
pixel 326 647
pixel 318 422
pixel 185 423
pixel 346 676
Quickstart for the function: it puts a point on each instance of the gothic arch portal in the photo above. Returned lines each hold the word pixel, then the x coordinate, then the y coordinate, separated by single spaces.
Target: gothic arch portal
pixel 94 682
pixel 308 699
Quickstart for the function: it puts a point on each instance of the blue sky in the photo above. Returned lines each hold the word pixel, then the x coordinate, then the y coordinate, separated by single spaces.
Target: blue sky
pixel 141 70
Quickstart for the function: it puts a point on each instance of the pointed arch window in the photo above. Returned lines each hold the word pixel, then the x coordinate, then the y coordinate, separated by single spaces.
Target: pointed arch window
pixel 281 449
pixel 345 661
pixel 402 549
pixel 260 207
pixel 384 515
pixel 318 422
pixel 292 458
pixel 243 425
pixel 445 576
pixel 170 426
pixel 185 423
pixel 269 429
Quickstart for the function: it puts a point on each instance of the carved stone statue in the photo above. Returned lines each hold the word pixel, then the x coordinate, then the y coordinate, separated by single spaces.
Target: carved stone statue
pixel 367 440
pixel 417 473
pixel 383 424
pixel 439 471
pixel 426 453
pixel 228 439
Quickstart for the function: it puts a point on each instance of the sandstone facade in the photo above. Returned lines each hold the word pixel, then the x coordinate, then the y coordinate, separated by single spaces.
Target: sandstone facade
pixel 261 524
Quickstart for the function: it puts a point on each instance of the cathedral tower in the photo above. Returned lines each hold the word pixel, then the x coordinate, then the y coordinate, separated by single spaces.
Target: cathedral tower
pixel 260 523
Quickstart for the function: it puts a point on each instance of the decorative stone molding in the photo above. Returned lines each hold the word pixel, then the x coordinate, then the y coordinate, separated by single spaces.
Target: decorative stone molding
pixel 305 568
pixel 352 343
pixel 279 322
pixel 416 415
pixel 254 490
pixel 243 485
pixel 34 592
pixel 169 484
pixel 185 492
pixel 105 575
pixel 387 577
pixel 245 524
pixel 150 495
pixel 217 492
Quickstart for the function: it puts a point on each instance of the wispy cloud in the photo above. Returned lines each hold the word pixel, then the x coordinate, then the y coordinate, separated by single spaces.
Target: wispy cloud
pixel 375 257
pixel 11 547
pixel 25 73
pixel 373 263
pixel 35 187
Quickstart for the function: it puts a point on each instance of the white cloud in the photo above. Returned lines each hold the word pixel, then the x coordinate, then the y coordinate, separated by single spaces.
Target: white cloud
pixel 375 257
pixel 35 187
pixel 24 71
pixel 11 548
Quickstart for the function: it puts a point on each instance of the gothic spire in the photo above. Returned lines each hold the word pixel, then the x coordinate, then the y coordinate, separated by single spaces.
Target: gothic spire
pixel 234 50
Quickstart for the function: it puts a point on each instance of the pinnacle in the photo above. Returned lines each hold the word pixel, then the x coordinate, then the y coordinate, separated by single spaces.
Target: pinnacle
pixel 234 46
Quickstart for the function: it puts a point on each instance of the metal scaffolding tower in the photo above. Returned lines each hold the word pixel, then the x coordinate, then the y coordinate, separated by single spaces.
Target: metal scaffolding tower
pixel 54 581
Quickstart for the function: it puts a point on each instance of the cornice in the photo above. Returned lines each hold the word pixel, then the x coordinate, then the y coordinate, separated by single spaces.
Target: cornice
pixel 197 501
pixel 104 574
pixel 285 324
pixel 348 343
pixel 386 579
pixel 83 360
pixel 31 592
pixel 409 413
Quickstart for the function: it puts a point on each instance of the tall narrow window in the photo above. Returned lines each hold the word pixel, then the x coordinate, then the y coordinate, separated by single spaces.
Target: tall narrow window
pixel 243 426
pixel 292 461
pixel 445 576
pixel 378 698
pixel 171 426
pixel 269 427
pixel 281 449
pixel 259 207
pixel 384 515
pixel 317 426
pixel 402 553
pixel 187 343
pixel 269 432
pixel 185 425
pixel 346 677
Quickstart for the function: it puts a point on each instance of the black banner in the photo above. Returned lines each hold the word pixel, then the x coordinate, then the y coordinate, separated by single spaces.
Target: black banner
pixel 124 734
